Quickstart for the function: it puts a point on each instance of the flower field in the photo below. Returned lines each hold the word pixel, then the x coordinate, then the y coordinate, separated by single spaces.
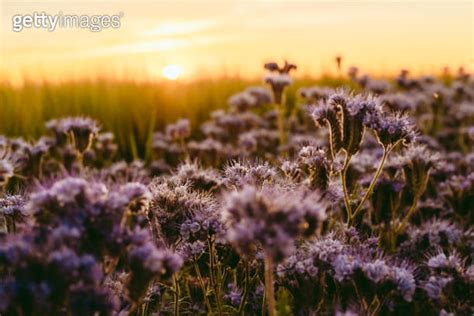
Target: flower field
pixel 345 196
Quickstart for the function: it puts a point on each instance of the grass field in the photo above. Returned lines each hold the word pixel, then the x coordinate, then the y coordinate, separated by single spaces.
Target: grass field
pixel 131 110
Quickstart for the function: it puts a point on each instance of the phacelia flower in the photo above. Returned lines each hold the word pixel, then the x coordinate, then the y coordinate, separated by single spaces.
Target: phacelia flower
pixel 271 218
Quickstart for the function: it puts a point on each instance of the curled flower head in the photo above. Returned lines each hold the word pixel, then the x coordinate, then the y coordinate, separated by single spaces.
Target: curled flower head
pixel 66 199
pixel 179 130
pixel 435 285
pixel 191 249
pixel 315 94
pixel 399 102
pixel 248 142
pixel 376 271
pixel 417 161
pixel 391 128
pixel 326 114
pixel 137 195
pixel 242 101
pixel 278 82
pixel 105 147
pixel 79 130
pixel 173 204
pixel 315 164
pixel 441 262
pixel 353 112
pixel 285 69
pixel 377 86
pixel 272 218
pixel 13 208
pixel 347 116
pixel 458 190
pixel 209 150
pixel 279 78
pixel 199 178
pixel 250 98
pixel 405 282
pixel 148 263
pixel 386 198
pixel 431 235
pixel 261 94
pixel 238 174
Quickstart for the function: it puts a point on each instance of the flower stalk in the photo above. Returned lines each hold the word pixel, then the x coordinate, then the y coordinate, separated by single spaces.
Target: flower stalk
pixel 246 289
pixel 203 287
pixel 371 186
pixel 269 290
pixel 407 217
pixel 177 294
pixel 343 176
pixel 214 276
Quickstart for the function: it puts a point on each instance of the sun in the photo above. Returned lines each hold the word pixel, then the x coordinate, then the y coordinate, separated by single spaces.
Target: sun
pixel 172 72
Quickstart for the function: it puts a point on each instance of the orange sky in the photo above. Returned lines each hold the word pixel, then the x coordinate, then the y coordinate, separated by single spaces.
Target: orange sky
pixel 209 38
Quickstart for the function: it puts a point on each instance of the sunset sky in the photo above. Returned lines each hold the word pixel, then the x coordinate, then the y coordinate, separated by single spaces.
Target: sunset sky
pixel 189 39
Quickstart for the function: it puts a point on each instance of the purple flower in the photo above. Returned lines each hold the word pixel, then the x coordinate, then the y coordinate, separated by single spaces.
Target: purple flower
pixel 147 263
pixel 405 282
pixel 285 69
pixel 179 130
pixel 376 271
pixel 250 98
pixel 273 217
pixel 137 196
pixel 6 172
pixel 79 130
pixel 234 295
pixel 391 128
pixel 442 262
pixel 435 285
pixel 344 266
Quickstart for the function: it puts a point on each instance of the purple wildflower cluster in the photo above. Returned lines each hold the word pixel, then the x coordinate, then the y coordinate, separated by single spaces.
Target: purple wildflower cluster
pixel 81 233
pixel 271 217
pixel 329 201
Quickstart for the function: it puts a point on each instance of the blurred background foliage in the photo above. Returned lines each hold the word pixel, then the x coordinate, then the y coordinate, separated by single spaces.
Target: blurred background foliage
pixel 131 110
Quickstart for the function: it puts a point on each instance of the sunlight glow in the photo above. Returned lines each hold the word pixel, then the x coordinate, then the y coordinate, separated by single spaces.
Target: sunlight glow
pixel 172 72
pixel 234 38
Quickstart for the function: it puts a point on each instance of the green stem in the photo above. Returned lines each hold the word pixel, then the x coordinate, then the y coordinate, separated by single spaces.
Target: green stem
pixel 362 301
pixel 332 150
pixel 203 287
pixel 246 289
pixel 386 151
pixel 80 160
pixel 343 176
pixel 133 309
pixel 213 275
pixel 408 215
pixel 281 124
pixel 176 296
pixel 184 148
pixel 269 290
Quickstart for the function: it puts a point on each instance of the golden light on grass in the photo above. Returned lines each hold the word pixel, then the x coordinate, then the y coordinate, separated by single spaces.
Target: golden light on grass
pixel 172 72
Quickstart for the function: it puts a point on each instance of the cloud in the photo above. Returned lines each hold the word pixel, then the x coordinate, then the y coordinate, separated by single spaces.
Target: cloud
pixel 174 28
